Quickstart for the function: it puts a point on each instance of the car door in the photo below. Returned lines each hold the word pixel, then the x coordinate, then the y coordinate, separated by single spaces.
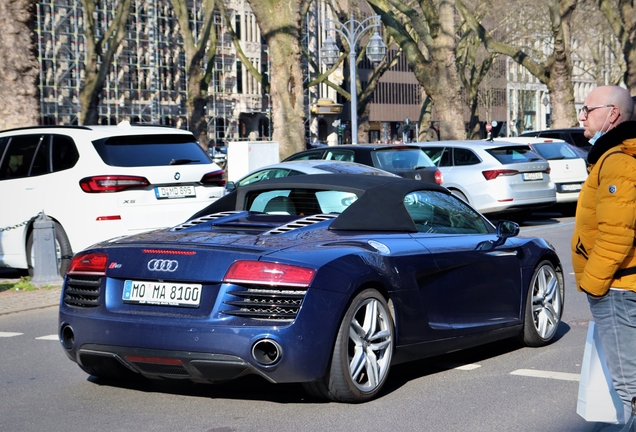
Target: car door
pixel 475 287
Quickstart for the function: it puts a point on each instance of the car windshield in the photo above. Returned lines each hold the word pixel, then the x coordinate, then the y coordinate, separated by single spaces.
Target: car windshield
pixel 151 150
pixel 513 154
pixel 392 159
pixel 303 202
pixel 267 174
pixel 555 151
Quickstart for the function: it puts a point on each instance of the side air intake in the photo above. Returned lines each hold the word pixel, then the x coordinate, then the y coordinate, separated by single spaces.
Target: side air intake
pixel 301 223
pixel 204 219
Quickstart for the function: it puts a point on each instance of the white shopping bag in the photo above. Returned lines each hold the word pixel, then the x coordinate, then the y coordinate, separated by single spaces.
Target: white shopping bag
pixel 598 401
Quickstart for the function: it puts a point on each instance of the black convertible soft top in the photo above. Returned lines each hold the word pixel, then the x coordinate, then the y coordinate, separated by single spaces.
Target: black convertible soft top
pixel 379 207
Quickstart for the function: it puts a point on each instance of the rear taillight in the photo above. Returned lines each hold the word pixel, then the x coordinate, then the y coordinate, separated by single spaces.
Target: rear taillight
pixel 547 170
pixel 493 174
pixel 215 178
pixel 268 273
pixel 438 177
pixel 113 183
pixel 89 263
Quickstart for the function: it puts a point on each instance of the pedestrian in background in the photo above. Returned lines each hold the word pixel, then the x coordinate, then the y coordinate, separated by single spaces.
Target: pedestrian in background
pixel 603 243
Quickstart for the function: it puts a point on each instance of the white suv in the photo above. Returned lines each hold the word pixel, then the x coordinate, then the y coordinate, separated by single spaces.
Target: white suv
pixel 98 182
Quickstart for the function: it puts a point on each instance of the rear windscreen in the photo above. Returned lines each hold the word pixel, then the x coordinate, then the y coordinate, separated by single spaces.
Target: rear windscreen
pixel 151 150
pixel 516 154
pixel 401 159
pixel 555 151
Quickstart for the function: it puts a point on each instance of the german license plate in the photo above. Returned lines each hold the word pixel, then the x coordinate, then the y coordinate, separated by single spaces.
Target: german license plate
pixel 533 176
pixel 161 293
pixel 163 192
pixel 571 187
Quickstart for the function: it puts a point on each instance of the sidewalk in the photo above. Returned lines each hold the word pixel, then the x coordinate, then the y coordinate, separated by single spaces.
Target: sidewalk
pixel 17 301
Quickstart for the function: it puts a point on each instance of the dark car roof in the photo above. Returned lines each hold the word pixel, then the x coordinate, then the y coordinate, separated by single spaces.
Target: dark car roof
pixel 382 210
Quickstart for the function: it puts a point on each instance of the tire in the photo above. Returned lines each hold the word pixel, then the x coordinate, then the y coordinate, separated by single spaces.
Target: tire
pixel 362 352
pixel 63 250
pixel 544 305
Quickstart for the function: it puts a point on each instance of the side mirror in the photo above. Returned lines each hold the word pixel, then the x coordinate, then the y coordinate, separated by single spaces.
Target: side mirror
pixel 230 186
pixel 505 229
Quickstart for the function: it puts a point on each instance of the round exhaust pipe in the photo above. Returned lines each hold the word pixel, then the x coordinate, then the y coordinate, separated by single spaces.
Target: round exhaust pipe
pixel 267 352
pixel 67 337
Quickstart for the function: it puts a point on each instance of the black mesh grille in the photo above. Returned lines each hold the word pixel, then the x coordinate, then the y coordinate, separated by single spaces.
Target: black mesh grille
pixel 82 291
pixel 272 304
pixel 161 369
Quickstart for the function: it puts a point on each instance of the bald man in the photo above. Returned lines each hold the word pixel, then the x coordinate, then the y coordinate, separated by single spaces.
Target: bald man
pixel 603 252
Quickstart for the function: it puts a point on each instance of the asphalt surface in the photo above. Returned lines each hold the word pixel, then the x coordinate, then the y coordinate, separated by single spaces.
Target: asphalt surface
pixel 12 301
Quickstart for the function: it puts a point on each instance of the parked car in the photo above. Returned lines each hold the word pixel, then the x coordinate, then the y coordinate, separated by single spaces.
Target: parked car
pixel 302 167
pixel 494 177
pixel 329 297
pixel 218 154
pixel 568 170
pixel 98 182
pixel 573 136
pixel 404 160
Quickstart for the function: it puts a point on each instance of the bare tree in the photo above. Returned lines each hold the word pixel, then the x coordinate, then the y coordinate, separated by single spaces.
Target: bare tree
pixel 622 20
pixel 473 65
pixel 18 65
pixel 425 30
pixel 199 67
pixel 100 52
pixel 554 69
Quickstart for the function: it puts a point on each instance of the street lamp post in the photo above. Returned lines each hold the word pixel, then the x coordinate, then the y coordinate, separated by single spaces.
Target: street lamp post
pixel 351 32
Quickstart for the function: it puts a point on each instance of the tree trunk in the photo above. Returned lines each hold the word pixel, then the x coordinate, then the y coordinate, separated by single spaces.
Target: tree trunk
pixel 198 74
pixel 18 65
pixel 280 24
pixel 99 56
pixel 431 57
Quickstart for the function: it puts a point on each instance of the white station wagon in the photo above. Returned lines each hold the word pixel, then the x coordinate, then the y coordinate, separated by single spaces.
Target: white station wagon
pixel 494 177
pixel 98 182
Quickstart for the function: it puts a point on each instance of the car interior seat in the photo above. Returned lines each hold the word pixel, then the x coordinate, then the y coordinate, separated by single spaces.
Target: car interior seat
pixel 305 202
pixel 280 205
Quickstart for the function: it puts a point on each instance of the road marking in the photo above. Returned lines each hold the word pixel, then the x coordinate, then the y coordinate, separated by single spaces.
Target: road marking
pixel 9 334
pixel 461 366
pixel 467 367
pixel 48 337
pixel 546 374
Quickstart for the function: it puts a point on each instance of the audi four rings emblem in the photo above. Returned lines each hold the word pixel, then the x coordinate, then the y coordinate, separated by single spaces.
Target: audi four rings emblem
pixel 163 265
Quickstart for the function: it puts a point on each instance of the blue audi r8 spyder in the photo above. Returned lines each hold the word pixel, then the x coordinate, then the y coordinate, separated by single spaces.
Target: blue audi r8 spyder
pixel 325 280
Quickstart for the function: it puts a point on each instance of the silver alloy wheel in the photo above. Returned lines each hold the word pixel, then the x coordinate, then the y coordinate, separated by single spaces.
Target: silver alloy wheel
pixel 370 345
pixel 546 301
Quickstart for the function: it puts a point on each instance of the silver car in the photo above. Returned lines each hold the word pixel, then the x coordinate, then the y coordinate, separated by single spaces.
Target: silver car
pixel 302 167
pixel 493 177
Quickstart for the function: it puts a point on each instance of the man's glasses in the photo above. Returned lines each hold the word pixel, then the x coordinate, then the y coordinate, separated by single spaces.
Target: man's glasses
pixel 586 109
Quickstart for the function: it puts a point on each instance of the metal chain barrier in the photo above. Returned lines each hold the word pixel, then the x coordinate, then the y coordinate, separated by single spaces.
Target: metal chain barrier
pixel 9 228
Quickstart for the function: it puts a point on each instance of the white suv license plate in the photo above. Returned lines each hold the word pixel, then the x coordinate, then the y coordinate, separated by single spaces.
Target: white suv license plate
pixel 533 176
pixel 163 192
pixel 572 187
pixel 161 293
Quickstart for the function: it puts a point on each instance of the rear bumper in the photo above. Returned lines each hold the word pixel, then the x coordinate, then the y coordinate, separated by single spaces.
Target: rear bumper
pixel 194 366
pixel 208 346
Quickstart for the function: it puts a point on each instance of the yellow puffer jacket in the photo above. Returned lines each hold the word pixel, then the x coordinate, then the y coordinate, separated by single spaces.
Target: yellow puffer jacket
pixel 605 228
